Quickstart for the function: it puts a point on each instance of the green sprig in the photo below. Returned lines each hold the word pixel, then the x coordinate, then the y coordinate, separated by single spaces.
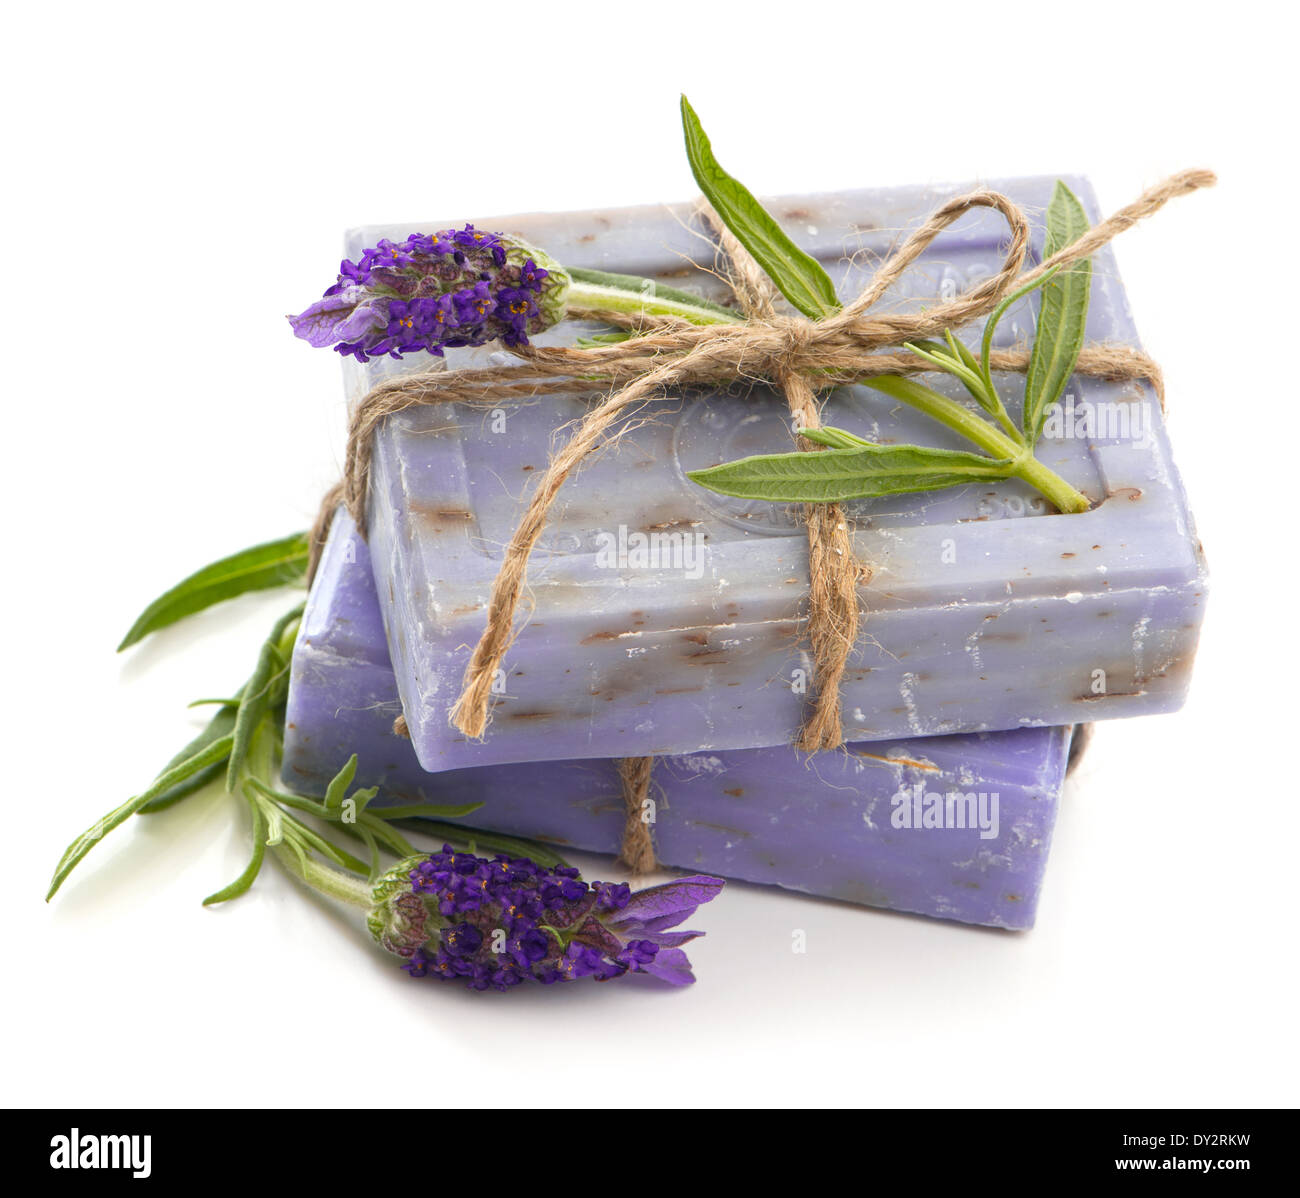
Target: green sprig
pixel 853 468
pixel 242 745
pixel 260 567
pixel 798 276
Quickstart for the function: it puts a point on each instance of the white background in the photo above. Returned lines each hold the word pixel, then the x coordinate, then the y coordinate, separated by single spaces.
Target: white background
pixel 179 179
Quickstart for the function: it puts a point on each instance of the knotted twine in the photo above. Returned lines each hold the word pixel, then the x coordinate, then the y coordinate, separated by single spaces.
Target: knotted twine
pixel 799 356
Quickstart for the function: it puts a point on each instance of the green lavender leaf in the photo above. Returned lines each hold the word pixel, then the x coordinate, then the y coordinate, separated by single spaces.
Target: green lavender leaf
pixel 221 725
pixel 605 278
pixel 78 849
pixel 941 357
pixel 958 350
pixel 832 475
pixel 1062 314
pixel 338 787
pixel 596 340
pixel 262 692
pixel 798 276
pixel 242 883
pixel 273 564
pixel 426 811
pixel 833 438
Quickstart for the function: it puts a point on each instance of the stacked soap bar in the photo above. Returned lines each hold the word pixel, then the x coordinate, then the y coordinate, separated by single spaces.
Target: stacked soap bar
pixel 665 619
pixel 873 825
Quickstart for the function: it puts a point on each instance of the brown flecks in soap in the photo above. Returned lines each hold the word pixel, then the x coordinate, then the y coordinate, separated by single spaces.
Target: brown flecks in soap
pixel 527 467
pixel 530 715
pixel 678 522
pixel 466 608
pixel 1069 555
pixel 1132 494
pixel 441 518
pixel 602 636
pixel 737 832
pixel 696 638
pixel 927 766
pixel 710 657
pixel 680 690
pixel 1012 898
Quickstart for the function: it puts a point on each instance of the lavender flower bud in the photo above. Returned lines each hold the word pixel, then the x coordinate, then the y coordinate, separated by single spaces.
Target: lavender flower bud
pixel 432 292
pixel 494 923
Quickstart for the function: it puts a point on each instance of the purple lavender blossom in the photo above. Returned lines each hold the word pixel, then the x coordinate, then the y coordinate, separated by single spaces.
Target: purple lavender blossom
pixel 493 923
pixel 432 292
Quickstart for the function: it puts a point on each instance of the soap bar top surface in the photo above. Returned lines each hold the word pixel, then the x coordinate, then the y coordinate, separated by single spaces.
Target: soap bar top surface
pixel 822 825
pixel 664 618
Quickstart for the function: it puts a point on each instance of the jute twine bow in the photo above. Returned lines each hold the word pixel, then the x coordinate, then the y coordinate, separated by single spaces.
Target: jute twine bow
pixel 801 357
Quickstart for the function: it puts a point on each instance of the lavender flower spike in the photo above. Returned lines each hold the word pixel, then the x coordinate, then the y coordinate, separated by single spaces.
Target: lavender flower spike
pixel 432 292
pixel 494 923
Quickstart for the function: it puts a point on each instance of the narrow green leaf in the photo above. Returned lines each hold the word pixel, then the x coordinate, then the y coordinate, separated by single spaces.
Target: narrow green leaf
pixel 241 884
pixel 833 438
pixel 273 564
pixel 1062 313
pixel 798 276
pixel 221 725
pixel 596 340
pixel 605 278
pixel 362 797
pixel 339 784
pixel 832 475
pixel 373 845
pixel 78 849
pixel 426 810
pixel 958 350
pixel 260 693
pixel 295 830
pixel 943 359
pixel 383 832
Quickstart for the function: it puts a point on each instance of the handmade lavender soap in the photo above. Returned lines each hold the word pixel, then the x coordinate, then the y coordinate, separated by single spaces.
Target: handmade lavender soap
pixel 667 619
pixel 873 825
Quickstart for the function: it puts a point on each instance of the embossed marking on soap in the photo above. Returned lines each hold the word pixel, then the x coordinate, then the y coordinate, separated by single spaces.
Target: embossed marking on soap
pixel 681 550
pixel 918 808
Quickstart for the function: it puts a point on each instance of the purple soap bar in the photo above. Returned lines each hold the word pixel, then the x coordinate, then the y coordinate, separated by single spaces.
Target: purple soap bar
pixel 665 619
pixel 873 825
